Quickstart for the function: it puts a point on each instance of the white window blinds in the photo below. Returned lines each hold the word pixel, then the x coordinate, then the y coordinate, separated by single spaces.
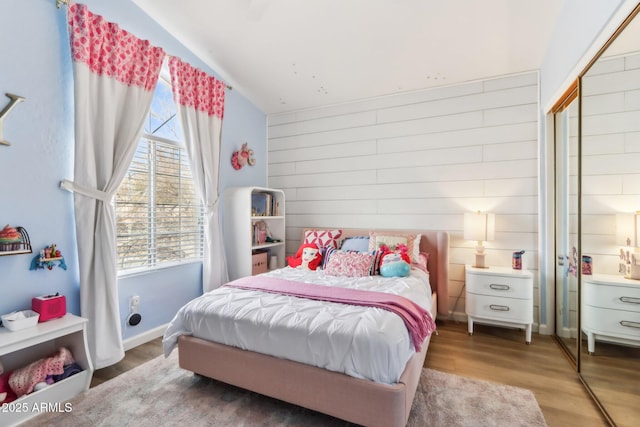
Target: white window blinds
pixel 159 217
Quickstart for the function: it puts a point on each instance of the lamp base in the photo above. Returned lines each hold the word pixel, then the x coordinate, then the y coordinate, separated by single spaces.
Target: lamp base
pixel 480 261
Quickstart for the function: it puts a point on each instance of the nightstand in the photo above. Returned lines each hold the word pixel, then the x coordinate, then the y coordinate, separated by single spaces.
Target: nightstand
pixel 499 296
pixel 610 310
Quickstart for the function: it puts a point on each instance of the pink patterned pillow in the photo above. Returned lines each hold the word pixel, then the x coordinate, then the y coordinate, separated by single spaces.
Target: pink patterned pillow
pixel 323 238
pixel 422 262
pixel 352 264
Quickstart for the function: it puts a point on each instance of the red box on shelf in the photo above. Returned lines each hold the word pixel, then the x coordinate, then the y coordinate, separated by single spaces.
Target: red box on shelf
pixel 49 306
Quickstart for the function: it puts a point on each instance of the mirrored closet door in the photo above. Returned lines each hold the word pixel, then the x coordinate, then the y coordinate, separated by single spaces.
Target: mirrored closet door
pixel 609 164
pixel 566 190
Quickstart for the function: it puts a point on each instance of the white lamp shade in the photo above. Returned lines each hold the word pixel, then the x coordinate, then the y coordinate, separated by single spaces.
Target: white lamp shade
pixel 627 229
pixel 479 226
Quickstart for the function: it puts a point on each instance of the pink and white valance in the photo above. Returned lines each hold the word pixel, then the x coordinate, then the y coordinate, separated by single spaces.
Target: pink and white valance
pixel 111 51
pixel 196 89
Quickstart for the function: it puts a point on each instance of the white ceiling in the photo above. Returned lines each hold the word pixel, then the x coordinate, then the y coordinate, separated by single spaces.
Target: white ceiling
pixel 287 55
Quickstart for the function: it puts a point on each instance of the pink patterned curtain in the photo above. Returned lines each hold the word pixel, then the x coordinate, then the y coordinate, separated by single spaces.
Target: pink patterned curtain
pixel 115 74
pixel 112 52
pixel 200 102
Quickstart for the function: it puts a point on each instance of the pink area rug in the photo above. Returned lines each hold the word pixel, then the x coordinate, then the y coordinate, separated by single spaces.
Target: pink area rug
pixel 159 393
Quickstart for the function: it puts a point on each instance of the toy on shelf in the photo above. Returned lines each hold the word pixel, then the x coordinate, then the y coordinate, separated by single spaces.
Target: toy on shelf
pixel 47 259
pixel 14 240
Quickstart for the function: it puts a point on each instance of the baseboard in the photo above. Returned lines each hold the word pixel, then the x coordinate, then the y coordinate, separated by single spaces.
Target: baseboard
pixel 544 329
pixel 456 317
pixel 568 333
pixel 144 337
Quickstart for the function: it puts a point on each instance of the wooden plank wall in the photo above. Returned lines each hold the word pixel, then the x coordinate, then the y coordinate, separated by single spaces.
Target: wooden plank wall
pixel 610 155
pixel 417 160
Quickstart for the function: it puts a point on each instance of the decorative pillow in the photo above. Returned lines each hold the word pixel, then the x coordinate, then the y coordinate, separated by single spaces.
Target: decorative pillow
pixel 357 244
pixel 327 256
pixel 377 257
pixel 323 238
pixel 391 240
pixel 422 262
pixel 352 264
pixel 416 247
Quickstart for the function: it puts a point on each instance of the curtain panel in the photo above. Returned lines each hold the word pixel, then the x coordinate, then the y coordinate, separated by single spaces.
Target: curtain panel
pixel 199 99
pixel 115 74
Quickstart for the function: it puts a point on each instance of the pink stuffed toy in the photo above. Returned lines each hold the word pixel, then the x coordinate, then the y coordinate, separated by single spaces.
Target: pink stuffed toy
pixel 22 381
pixel 308 257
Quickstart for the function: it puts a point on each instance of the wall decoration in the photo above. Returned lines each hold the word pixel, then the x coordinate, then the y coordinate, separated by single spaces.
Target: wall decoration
pixel 242 157
pixel 47 259
pixel 14 100
pixel 14 240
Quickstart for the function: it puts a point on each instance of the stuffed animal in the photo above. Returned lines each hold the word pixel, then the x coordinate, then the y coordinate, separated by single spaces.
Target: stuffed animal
pixel 6 394
pixel 22 381
pixel 395 263
pixel 308 257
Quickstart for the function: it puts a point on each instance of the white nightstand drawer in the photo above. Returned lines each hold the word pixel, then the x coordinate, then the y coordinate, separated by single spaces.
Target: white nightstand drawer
pixel 502 286
pixel 617 297
pixel 616 323
pixel 506 309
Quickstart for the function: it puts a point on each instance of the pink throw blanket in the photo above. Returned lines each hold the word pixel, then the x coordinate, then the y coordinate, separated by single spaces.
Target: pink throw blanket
pixel 417 320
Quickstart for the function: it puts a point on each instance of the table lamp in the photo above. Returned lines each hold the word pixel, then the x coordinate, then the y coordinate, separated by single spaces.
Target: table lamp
pixel 480 227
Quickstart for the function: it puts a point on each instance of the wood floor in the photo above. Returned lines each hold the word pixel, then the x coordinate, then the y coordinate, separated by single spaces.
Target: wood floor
pixel 491 353
pixel 501 355
pixel 132 358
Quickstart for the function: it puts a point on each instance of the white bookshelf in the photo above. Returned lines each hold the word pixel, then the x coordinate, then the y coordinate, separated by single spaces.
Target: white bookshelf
pixel 239 221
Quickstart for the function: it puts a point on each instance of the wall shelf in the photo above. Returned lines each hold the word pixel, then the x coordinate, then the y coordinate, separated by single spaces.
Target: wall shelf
pixel 17 248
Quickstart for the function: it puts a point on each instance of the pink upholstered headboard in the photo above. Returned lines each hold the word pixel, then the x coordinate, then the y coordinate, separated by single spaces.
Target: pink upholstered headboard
pixel 436 243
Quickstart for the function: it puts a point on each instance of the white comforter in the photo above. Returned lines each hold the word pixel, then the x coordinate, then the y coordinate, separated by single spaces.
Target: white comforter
pixel 363 342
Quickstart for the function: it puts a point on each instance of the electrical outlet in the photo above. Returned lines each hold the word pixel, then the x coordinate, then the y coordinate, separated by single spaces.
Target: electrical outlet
pixel 134 302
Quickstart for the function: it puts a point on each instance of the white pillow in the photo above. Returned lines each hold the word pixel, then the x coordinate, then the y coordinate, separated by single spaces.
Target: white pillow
pixel 391 239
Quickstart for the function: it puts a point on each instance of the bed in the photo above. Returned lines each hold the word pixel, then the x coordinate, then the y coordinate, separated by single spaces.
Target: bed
pixel 355 397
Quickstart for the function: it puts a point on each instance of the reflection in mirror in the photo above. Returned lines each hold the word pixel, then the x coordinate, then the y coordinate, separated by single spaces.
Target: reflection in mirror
pixel 566 190
pixel 610 303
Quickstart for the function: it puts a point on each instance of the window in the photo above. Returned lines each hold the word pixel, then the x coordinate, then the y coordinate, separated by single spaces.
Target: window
pixel 158 214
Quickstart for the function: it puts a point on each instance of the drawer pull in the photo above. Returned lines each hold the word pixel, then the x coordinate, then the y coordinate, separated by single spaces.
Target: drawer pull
pixel 497 287
pixel 630 324
pixel 630 300
pixel 496 307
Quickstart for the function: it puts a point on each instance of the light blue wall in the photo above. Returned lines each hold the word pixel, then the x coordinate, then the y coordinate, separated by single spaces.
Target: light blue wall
pixel 35 63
